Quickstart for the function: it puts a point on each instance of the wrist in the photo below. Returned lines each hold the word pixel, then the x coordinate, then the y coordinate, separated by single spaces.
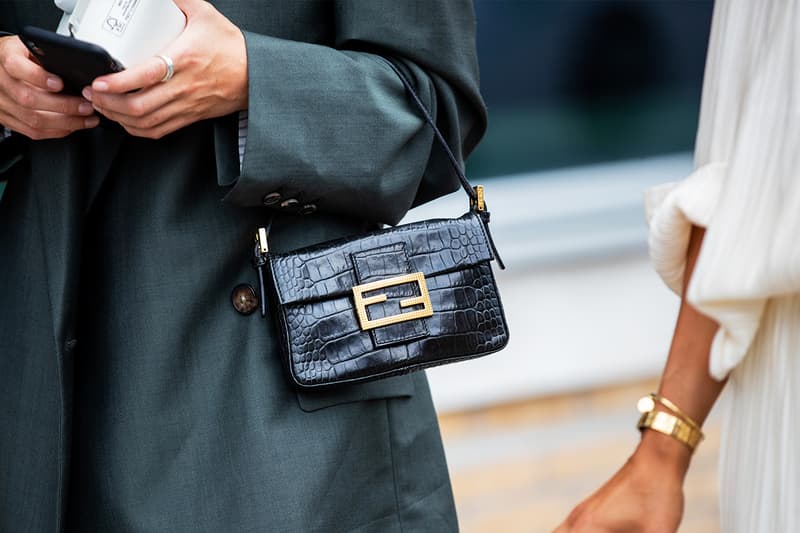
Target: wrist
pixel 663 455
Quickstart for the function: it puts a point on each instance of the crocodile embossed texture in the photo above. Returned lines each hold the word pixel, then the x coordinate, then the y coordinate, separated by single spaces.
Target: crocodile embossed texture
pixel 432 246
pixel 322 340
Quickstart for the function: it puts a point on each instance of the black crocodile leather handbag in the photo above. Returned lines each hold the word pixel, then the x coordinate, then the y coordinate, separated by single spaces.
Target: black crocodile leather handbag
pixel 388 302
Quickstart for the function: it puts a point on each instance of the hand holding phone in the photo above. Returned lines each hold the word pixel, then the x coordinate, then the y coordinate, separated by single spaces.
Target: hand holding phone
pixel 211 78
pixel 29 103
pixel 77 62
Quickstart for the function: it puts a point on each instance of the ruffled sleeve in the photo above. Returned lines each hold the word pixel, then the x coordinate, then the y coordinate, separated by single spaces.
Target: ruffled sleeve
pixel 746 189
pixel 671 210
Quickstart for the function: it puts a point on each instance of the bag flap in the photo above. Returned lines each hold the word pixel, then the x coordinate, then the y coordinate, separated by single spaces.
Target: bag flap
pixel 328 270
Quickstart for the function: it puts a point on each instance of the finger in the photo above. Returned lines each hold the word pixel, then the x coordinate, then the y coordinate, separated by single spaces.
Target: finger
pixel 146 122
pixel 28 97
pixel 146 74
pixel 154 120
pixel 18 126
pixel 161 130
pixel 46 120
pixel 22 68
pixel 138 104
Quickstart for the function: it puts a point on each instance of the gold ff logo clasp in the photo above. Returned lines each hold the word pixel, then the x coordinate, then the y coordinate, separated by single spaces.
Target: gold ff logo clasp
pixel 361 302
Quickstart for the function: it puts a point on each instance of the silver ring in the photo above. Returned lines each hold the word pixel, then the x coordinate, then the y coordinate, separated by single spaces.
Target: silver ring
pixel 170 67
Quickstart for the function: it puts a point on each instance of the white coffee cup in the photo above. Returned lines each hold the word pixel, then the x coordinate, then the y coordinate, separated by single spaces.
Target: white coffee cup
pixel 130 30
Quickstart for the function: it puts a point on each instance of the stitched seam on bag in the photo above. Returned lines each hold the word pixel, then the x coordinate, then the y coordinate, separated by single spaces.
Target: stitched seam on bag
pixel 411 336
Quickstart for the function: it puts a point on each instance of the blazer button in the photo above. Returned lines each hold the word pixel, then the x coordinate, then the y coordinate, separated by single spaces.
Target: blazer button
pixel 289 203
pixel 244 299
pixel 308 209
pixel 271 199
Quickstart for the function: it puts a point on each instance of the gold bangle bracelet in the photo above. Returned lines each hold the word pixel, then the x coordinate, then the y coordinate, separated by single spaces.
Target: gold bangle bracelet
pixel 647 404
pixel 675 409
pixel 673 426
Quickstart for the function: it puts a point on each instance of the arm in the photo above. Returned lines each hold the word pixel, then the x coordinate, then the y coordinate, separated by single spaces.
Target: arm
pixel 686 380
pixel 647 492
pixel 365 147
pixel 329 125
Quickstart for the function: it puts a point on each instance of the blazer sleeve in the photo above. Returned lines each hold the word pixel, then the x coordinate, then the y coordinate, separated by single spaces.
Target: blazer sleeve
pixel 332 126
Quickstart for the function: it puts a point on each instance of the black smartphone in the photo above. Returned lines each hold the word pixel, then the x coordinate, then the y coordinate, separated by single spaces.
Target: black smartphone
pixel 77 62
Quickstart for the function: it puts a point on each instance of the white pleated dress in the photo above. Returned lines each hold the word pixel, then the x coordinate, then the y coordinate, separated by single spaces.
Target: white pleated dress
pixel 746 192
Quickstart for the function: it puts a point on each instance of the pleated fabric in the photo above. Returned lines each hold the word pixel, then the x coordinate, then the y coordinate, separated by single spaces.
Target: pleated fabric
pixel 746 191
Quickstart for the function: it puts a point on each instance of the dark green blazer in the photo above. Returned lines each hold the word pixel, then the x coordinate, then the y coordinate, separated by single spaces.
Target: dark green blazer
pixel 133 396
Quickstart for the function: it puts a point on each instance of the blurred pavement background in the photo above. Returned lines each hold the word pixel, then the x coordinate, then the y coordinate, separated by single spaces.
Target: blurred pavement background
pixel 590 103
pixel 521 468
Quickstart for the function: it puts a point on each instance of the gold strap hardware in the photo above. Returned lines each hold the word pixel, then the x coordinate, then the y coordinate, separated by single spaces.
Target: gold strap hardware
pixel 362 302
pixel 479 203
pixel 261 239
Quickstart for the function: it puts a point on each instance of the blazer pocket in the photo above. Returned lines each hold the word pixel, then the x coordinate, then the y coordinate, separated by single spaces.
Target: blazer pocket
pixel 394 387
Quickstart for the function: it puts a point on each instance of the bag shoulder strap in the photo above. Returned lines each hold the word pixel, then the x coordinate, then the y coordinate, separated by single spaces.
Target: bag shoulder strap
pixel 475 196
pixel 462 178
